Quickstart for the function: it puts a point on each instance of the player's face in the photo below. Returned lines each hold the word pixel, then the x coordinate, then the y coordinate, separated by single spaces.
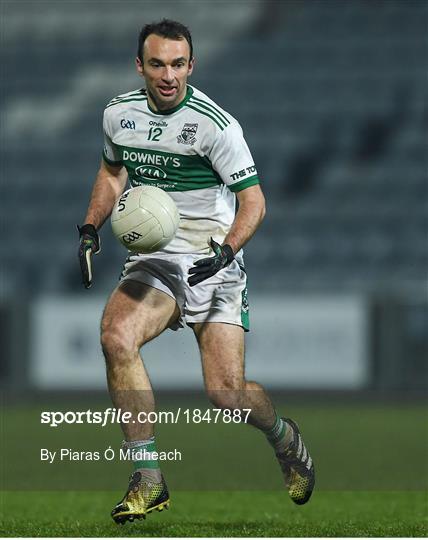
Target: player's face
pixel 167 65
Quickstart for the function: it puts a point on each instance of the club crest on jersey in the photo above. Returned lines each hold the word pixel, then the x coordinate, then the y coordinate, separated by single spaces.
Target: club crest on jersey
pixel 188 133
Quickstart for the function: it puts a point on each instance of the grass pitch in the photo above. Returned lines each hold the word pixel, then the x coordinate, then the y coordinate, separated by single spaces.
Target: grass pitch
pixel 221 514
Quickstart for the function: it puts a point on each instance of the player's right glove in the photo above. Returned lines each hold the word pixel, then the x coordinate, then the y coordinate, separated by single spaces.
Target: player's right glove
pixel 89 244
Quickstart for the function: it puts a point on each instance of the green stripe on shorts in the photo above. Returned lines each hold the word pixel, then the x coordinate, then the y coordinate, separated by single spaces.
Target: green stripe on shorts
pixel 245 308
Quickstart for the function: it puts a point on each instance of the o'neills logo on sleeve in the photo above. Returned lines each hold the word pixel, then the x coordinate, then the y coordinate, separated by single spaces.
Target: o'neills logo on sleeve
pixel 150 159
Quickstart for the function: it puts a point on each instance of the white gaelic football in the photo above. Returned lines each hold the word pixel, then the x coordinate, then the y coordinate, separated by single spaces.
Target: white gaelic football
pixel 144 219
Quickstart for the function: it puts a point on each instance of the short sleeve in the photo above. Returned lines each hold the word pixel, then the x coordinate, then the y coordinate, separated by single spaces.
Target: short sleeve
pixel 231 159
pixel 111 154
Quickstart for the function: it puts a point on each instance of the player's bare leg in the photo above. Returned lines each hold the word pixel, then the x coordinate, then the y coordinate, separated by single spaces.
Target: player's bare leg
pixel 222 354
pixel 135 314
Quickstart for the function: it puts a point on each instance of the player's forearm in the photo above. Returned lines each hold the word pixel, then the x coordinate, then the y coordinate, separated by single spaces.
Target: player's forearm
pixel 106 190
pixel 249 216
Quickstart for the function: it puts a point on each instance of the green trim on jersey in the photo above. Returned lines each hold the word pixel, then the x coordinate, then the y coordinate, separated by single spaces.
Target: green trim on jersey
pixel 136 98
pixel 247 182
pixel 205 113
pixel 189 93
pixel 213 106
pixel 111 162
pixel 168 171
pixel 121 97
pixel 210 107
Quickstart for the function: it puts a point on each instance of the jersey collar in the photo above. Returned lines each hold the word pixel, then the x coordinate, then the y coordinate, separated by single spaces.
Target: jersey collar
pixel 182 103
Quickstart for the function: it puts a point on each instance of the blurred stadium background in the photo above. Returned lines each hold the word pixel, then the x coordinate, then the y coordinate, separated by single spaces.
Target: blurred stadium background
pixel 332 97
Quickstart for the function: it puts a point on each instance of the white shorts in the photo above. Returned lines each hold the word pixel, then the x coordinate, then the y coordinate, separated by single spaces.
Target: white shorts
pixel 220 298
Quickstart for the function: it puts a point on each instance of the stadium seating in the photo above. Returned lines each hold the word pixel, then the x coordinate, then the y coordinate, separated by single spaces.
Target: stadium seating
pixel 331 100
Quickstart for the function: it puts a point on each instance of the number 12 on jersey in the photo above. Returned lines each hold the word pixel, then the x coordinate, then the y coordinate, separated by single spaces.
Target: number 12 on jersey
pixel 154 134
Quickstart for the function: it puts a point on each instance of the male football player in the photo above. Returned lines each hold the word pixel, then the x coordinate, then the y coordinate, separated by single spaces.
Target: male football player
pixel 173 136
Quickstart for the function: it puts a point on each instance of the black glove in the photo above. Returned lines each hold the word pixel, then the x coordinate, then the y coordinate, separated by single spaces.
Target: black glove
pixel 89 244
pixel 205 268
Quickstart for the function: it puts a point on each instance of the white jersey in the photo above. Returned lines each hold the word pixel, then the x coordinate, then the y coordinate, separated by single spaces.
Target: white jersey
pixel 196 152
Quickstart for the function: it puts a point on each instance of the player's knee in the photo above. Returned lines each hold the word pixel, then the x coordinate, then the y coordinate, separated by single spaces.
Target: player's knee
pixel 225 396
pixel 117 344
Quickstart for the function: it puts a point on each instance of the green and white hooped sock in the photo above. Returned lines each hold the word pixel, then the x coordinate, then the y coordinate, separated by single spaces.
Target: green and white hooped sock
pixel 144 458
pixel 279 435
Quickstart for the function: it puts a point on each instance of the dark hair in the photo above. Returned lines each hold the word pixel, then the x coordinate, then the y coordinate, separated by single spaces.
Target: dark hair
pixel 167 29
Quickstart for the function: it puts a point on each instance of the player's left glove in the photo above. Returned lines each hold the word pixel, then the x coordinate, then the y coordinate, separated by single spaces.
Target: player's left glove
pixel 89 244
pixel 205 268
